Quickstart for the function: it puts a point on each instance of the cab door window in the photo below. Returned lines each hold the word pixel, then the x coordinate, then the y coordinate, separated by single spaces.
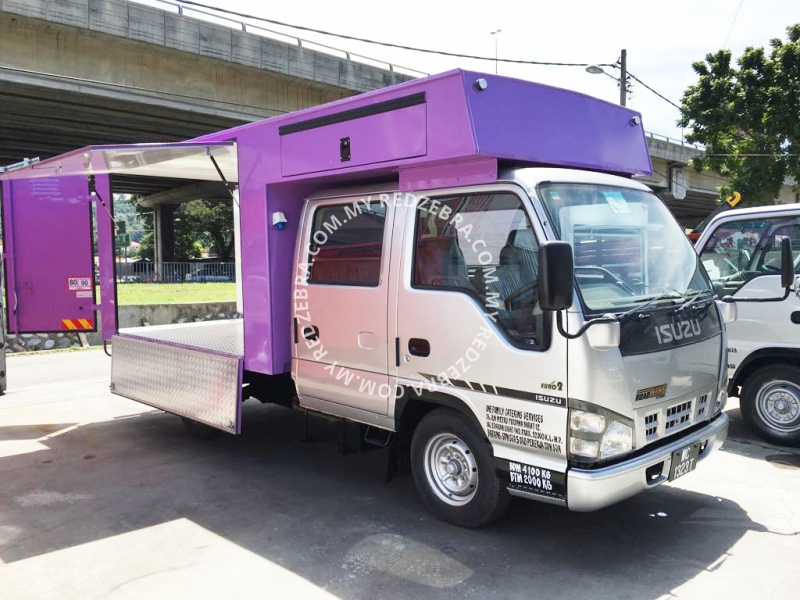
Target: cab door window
pixel 483 246
pixel 740 251
pixel 347 244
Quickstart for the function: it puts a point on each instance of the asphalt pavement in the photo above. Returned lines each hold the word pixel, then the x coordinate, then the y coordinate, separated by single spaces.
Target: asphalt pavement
pixel 101 497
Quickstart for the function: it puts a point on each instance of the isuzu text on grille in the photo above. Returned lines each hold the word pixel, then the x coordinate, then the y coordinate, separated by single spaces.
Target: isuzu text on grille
pixel 678 330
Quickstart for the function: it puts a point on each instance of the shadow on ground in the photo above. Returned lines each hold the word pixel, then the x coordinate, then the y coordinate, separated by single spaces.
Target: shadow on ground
pixel 744 441
pixel 332 520
pixel 30 432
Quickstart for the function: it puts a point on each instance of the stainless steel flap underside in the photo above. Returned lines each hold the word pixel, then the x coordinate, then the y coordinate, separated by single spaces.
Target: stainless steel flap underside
pixel 191 382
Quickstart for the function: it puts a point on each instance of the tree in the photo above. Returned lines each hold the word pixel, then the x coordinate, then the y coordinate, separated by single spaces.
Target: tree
pixel 198 224
pixel 212 222
pixel 186 245
pixel 748 117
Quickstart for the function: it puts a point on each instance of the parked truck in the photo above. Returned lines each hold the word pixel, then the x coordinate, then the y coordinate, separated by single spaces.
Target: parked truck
pixel 741 251
pixel 462 264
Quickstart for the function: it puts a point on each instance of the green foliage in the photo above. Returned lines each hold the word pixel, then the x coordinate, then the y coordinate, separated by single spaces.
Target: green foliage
pixel 212 222
pixel 748 117
pixel 199 224
pixel 187 246
pixel 127 211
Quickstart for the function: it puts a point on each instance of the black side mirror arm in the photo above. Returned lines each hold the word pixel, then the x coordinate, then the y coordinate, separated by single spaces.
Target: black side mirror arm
pixel 582 330
pixel 786 293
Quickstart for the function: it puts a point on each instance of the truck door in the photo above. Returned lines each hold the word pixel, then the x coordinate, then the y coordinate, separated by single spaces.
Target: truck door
pixel 468 317
pixel 742 258
pixel 50 275
pixel 340 307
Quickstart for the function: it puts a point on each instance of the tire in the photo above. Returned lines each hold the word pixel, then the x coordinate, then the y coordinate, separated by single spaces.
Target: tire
pixel 199 430
pixel 770 403
pixel 464 490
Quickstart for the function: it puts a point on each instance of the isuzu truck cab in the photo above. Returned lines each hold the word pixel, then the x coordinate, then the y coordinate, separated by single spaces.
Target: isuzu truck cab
pixel 462 264
pixel 515 381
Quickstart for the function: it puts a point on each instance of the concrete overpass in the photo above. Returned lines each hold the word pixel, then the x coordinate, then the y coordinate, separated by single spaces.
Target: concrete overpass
pixel 79 72
pixel 691 196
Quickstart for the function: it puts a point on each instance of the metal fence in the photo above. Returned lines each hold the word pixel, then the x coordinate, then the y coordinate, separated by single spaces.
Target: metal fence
pixel 175 272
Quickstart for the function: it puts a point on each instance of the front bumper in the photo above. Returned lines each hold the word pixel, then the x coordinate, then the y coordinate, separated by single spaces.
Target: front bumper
pixel 589 490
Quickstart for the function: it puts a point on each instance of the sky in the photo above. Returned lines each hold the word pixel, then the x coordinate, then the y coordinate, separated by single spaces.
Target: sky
pixel 662 39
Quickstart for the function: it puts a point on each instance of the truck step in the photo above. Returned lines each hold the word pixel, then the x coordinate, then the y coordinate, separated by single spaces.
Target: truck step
pixel 375 436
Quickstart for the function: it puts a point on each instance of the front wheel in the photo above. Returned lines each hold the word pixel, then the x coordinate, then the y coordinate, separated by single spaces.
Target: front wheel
pixel 454 470
pixel 770 402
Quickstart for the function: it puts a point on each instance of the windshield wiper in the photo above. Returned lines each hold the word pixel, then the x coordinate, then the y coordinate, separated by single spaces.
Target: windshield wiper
pixel 701 296
pixel 671 295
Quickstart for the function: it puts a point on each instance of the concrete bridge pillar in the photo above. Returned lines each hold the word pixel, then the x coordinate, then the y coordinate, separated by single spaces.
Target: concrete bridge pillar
pixel 164 235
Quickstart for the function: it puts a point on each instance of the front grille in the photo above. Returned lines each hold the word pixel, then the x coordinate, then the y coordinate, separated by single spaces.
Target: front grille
pixel 651 426
pixel 677 415
pixel 702 406
pixel 670 417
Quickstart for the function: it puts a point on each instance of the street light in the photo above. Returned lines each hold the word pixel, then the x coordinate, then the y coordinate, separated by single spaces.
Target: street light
pixel 623 79
pixel 494 33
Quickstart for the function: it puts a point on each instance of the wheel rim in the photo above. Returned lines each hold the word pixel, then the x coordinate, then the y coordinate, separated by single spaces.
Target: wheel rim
pixel 778 405
pixel 451 469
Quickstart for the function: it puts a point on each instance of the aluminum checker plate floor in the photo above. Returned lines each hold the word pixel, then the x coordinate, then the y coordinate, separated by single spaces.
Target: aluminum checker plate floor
pixel 222 337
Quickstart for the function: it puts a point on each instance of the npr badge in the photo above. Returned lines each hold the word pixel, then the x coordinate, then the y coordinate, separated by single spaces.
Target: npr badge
pixel 657 391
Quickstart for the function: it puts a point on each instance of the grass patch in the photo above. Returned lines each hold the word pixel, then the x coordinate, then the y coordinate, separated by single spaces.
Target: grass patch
pixel 175 293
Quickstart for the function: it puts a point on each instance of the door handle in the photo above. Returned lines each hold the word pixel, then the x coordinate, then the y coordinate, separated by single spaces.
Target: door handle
pixel 311 332
pixel 419 347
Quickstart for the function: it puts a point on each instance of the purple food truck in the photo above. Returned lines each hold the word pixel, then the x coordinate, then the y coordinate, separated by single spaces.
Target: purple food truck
pixel 462 264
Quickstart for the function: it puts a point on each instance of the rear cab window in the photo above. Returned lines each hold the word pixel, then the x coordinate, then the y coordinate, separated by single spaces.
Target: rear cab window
pixel 347 244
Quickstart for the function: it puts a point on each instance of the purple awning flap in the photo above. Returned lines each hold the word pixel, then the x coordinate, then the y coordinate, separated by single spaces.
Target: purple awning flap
pixel 182 160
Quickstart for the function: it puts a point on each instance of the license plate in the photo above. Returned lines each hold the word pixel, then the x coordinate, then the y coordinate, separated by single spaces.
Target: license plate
pixel 684 461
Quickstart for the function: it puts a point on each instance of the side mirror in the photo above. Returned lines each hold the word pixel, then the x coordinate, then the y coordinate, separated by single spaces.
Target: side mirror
pixel 556 276
pixel 787 264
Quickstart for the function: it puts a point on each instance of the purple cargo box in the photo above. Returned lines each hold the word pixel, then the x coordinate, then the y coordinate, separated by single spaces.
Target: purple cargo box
pixel 434 132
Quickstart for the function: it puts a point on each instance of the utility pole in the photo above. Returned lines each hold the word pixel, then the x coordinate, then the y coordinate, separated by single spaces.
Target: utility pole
pixel 623 79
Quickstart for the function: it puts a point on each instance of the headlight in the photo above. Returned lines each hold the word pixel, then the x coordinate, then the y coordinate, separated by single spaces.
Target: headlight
pixel 583 448
pixel 617 440
pixel 719 403
pixel 596 433
pixel 585 422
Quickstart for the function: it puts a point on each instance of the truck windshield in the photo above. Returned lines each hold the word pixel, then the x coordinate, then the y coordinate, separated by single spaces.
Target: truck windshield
pixel 628 248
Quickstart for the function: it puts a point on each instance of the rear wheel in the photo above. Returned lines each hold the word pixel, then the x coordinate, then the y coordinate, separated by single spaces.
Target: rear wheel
pixel 771 403
pixel 454 470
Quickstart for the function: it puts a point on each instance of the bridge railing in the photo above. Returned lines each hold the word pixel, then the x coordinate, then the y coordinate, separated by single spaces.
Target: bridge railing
pixel 175 272
pixel 681 142
pixel 210 16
